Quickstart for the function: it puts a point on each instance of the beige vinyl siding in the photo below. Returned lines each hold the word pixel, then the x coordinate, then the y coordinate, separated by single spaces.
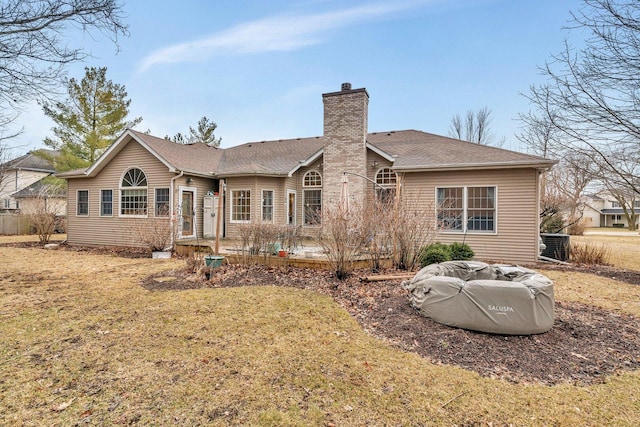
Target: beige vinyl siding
pixel 375 162
pixel 235 184
pixel 517 211
pixel 113 230
pixel 289 183
pixel 280 187
pixel 202 186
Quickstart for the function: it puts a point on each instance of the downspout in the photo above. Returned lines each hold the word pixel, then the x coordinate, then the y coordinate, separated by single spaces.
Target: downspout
pixel 172 217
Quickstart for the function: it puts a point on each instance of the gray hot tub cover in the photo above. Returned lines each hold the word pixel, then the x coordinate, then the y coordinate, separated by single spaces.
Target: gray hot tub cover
pixel 499 299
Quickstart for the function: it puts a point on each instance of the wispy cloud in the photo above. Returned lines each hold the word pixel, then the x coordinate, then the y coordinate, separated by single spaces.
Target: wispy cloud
pixel 276 33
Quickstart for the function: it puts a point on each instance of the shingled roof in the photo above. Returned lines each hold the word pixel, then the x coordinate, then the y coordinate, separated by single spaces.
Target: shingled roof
pixel 417 150
pixel 272 158
pixel 32 161
pixel 409 150
pixel 195 159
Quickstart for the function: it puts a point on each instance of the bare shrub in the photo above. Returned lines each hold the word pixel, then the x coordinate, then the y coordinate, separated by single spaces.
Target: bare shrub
pixel 590 253
pixel 153 233
pixel 247 241
pixel 43 206
pixel 260 238
pixel 577 228
pixel 379 242
pixel 341 237
pixel 410 226
pixel 290 237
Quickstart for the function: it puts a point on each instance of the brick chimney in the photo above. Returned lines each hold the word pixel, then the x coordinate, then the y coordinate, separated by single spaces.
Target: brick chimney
pixel 345 136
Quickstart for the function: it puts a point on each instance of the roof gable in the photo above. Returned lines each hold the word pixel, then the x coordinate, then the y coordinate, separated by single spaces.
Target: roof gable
pixel 194 159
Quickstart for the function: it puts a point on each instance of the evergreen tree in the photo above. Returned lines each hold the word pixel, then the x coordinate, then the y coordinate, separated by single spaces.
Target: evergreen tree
pixel 89 120
pixel 204 132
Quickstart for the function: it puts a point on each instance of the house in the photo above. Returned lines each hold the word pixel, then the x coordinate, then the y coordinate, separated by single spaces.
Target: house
pixel 42 197
pixel 20 173
pixel 493 193
pixel 603 210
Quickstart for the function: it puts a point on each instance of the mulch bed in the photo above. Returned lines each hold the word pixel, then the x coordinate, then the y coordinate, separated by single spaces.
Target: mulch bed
pixel 585 345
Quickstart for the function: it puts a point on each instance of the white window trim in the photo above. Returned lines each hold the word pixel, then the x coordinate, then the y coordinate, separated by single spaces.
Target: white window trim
pixel 120 188
pixel 465 218
pixel 304 205
pixel 273 207
pixel 155 201
pixel 112 204
pixel 295 207
pixel 304 178
pixel 88 201
pixel 386 185
pixel 236 221
pixel 194 190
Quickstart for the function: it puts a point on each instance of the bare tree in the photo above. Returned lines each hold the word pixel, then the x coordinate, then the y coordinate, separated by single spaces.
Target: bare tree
pixel 34 50
pixel 622 188
pixel 591 95
pixel 539 135
pixel 44 206
pixel 475 127
pixel 562 197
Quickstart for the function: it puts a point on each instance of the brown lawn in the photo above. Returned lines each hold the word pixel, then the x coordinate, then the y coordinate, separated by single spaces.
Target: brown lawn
pixel 82 342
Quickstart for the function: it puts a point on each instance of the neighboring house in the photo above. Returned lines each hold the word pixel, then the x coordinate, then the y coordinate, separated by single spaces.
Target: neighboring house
pixel 603 210
pixel 492 193
pixel 20 173
pixel 41 197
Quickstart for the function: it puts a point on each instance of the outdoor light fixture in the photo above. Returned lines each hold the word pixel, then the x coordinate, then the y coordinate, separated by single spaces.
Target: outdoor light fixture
pixel 374 164
pixel 189 180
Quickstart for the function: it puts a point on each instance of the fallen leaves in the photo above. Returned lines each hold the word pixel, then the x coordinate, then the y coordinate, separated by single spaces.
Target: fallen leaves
pixel 580 332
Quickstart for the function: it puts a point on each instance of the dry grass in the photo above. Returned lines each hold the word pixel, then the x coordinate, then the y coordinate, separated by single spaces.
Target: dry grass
pixel 82 342
pixel 590 253
pixel 625 248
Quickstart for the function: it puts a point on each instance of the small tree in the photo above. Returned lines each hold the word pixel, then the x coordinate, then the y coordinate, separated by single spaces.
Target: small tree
pixel 43 207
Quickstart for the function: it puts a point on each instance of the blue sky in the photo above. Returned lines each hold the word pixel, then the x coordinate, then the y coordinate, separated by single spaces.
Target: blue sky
pixel 258 69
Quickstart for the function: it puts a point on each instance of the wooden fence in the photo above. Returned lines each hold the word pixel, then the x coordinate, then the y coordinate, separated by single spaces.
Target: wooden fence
pixel 14 224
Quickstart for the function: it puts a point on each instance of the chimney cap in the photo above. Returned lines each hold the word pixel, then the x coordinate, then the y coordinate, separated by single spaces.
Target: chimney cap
pixel 345 86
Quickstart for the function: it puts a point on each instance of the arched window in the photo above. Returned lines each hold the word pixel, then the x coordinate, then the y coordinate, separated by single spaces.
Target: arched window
pixel 133 193
pixel 312 179
pixel 386 188
pixel 312 197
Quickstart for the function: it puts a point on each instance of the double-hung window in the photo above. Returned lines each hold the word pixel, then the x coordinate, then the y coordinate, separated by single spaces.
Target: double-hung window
pixel 106 202
pixel 82 203
pixel 267 205
pixel 162 202
pixel 467 209
pixel 241 205
pixel 312 197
